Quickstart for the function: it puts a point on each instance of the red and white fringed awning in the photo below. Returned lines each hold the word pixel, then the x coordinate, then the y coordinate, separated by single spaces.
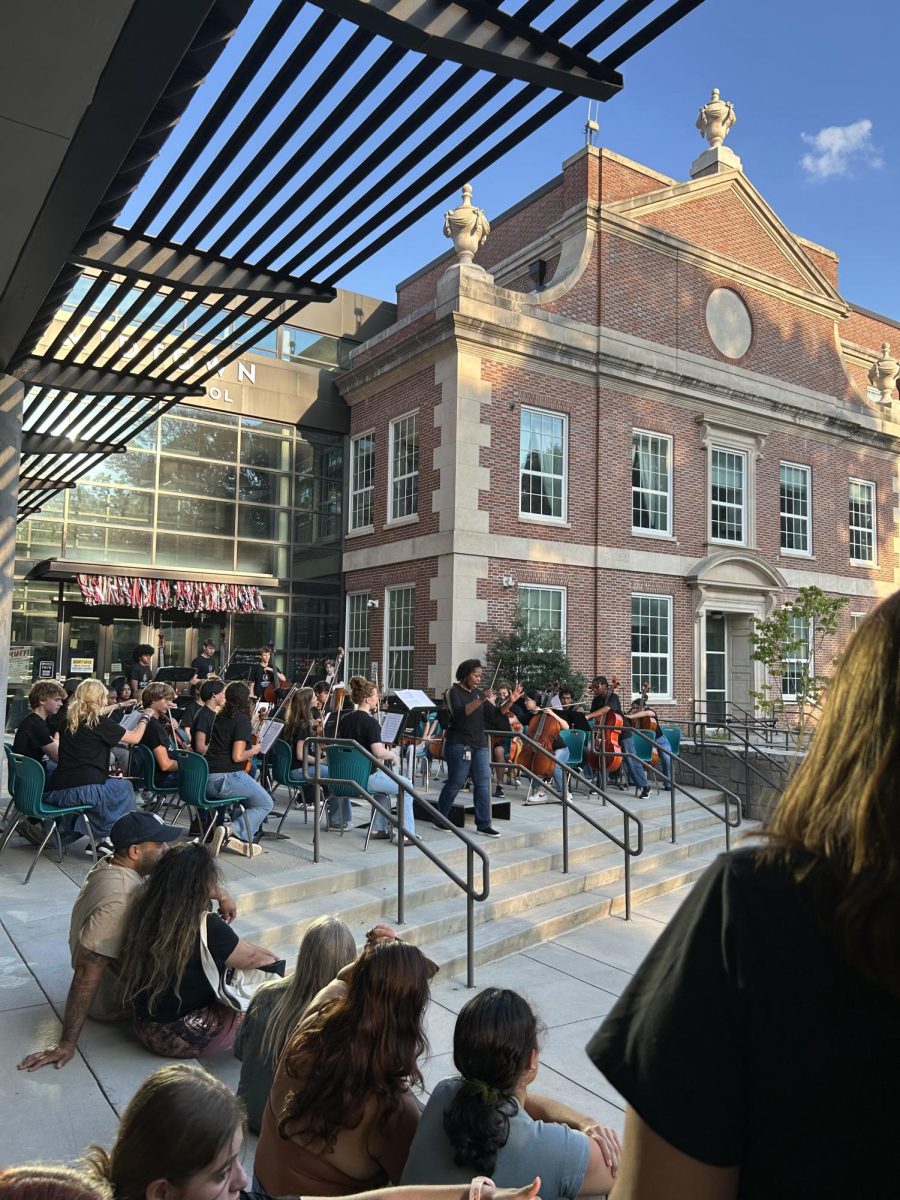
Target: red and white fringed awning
pixel 185 595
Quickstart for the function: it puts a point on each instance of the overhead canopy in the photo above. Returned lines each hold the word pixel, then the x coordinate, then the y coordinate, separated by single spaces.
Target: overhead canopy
pixel 322 133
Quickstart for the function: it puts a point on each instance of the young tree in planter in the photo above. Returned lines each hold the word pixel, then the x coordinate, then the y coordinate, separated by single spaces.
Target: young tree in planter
pixel 534 658
pixel 790 644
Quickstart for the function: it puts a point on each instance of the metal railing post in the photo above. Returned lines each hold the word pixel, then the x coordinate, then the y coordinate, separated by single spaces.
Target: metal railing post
pixel 627 868
pixel 565 825
pixel 317 801
pixel 470 919
pixel 401 860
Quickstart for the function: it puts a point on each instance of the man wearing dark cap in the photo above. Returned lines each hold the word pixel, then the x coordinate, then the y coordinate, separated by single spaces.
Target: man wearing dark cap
pixel 139 839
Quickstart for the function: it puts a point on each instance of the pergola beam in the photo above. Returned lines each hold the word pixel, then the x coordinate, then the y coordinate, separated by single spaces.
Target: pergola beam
pixel 84 380
pixel 44 443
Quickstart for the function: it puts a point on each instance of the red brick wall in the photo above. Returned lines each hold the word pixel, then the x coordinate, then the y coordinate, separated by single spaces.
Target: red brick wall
pixel 619 181
pixel 417 573
pixel 827 263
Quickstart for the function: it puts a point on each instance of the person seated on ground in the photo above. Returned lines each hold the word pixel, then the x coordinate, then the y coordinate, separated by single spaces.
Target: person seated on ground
pixel 82 772
pixel 361 726
pixel 277 1007
pixel 299 726
pixel 211 696
pixel 181 1137
pixel 97 927
pixel 776 985
pixel 556 723
pixel 341 1114
pixel 487 1120
pixel 33 736
pixel 164 972
pixel 139 673
pixel 158 701
pixel 230 747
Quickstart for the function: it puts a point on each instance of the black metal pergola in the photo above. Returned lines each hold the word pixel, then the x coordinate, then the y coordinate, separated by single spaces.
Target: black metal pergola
pixel 236 237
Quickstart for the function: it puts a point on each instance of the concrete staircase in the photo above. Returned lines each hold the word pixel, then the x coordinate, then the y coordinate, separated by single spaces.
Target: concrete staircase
pixel 530 899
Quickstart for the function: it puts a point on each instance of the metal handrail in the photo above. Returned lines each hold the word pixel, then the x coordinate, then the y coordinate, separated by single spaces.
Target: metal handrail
pixel 467 885
pixel 623 843
pixel 749 766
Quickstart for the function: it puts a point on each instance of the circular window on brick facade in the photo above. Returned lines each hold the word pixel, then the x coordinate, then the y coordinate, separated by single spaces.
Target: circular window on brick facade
pixel 728 323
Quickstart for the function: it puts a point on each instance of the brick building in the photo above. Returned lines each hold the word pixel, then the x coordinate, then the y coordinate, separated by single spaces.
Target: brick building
pixel 644 416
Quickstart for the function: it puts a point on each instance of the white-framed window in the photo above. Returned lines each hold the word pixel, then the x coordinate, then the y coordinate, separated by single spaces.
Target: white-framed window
pixel 651 644
pixel 856 619
pixel 358 634
pixel 400 626
pixel 651 482
pixel 544 611
pixel 403 459
pixel 543 464
pixel 362 481
pixel 727 495
pixel 794 504
pixel 862 521
pixel 797 655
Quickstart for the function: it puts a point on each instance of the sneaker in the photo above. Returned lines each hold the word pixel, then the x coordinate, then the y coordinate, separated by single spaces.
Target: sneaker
pixel 246 849
pixel 217 841
pixel 645 793
pixel 498 792
pixel 104 848
pixel 380 835
pixel 488 831
pixel 438 825
pixel 538 797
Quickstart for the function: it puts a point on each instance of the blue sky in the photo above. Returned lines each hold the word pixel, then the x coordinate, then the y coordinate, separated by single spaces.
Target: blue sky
pixel 790 67
pixel 813 88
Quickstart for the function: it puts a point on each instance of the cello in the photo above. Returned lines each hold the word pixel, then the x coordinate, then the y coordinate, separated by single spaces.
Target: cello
pixel 270 693
pixel 543 729
pixel 607 734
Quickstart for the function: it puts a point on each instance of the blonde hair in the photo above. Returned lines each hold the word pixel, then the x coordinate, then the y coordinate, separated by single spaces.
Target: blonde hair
pixel 361 688
pixel 85 706
pixel 327 946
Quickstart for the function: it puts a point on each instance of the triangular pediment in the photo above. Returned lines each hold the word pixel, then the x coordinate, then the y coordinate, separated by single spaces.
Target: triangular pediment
pixel 726 215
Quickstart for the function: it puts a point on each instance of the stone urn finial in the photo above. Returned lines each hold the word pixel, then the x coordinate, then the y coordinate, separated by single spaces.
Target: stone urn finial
pixel 716 118
pixel 467 226
pixel 883 374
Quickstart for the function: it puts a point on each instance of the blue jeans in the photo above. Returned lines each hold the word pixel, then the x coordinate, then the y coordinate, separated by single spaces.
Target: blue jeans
pixel 382 787
pixel 662 744
pixel 458 771
pixel 561 755
pixel 634 768
pixel 339 808
pixel 256 800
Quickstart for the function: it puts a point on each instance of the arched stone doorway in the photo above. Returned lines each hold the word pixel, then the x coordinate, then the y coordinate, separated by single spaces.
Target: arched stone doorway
pixel 731 587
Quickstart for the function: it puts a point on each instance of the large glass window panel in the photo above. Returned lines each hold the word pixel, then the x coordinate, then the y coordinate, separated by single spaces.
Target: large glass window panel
pixel 262 558
pixel 39 538
pixel 727 494
pixel 543 610
pixel 651 643
pixel 651 482
pixel 320 349
pixel 862 521
pixel 119 506
pixel 145 440
pixel 135 469
pixel 263 487
pixel 270 524
pixel 404 460
pixel 191 515
pixel 197 478
pixel 196 553
pixel 401 637
pixel 362 481
pixel 197 439
pixel 794 508
pixel 542 464
pixel 260 450
pixel 358 634
pixel 797 655
pixel 106 543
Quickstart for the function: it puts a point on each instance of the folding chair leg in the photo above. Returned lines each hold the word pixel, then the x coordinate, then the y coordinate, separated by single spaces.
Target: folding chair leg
pixel 9 809
pixel 40 851
pixel 91 837
pixel 369 830
pixel 10 831
pixel 292 800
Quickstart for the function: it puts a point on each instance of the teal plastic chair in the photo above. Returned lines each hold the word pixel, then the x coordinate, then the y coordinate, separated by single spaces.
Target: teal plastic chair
pixel 643 744
pixel 348 775
pixel 28 798
pixel 673 736
pixel 574 740
pixel 10 780
pixel 143 764
pixel 193 776
pixel 280 765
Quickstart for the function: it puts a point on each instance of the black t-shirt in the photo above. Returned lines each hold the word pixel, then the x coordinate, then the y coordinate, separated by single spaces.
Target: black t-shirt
pixel 467 730
pixel 195 991
pixel 497 720
pixel 292 736
pixel 202 723
pixel 33 734
pixel 155 735
pixel 225 732
pixel 140 674
pixel 614 704
pixel 575 718
pixel 203 666
pixel 261 677
pixel 84 754
pixel 746 1038
pixel 363 728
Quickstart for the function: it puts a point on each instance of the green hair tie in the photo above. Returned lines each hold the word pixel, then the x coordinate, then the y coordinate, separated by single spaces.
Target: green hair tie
pixel 486 1094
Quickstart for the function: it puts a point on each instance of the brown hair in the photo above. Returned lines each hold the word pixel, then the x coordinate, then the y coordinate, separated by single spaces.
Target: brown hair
pixel 175 1125
pixel 163 920
pixel 156 691
pixel 361 688
pixel 47 689
pixel 840 813
pixel 46 1181
pixel 298 710
pixel 362 1047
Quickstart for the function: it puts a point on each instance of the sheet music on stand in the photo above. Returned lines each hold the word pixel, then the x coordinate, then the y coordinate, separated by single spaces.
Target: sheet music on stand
pixel 391 724
pixel 130 721
pixel 413 698
pixel 268 735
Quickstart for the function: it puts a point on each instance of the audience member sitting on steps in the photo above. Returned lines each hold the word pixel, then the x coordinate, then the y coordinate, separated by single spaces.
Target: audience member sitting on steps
pixel 488 1121
pixel 775 988
pixel 181 1137
pixel 97 928
pixel 82 775
pixel 341 1114
pixel 361 726
pixel 230 746
pixel 277 1007
pixel 176 1011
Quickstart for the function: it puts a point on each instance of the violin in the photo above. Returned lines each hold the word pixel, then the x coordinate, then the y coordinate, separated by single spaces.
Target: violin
pixel 256 723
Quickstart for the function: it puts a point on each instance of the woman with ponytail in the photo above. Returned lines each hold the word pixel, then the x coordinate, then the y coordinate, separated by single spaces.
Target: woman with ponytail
pixel 487 1121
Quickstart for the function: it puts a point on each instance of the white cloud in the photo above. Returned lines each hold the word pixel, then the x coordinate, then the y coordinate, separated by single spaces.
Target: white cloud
pixel 836 148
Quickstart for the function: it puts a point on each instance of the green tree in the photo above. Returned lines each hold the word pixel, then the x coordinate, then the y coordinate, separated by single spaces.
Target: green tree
pixel 534 658
pixel 791 644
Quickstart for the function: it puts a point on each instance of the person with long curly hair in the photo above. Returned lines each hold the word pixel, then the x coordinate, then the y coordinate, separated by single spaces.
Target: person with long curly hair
pixel 170 933
pixel 230 748
pixel 488 1120
pixel 276 1008
pixel 341 1114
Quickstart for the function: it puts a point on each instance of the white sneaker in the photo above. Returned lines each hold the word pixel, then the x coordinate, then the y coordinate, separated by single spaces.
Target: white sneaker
pixel 245 849
pixel 538 797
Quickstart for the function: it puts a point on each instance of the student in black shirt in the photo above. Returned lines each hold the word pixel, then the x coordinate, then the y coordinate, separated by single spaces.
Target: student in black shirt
pixel 33 736
pixel 203 665
pixel 265 674
pixel 496 720
pixel 158 701
pixel 139 673
pixel 231 745
pixel 212 697
pixel 361 726
pixel 605 700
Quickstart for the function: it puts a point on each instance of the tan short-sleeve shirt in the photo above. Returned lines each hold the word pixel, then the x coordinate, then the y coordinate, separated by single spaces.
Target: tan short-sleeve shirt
pixel 98 924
